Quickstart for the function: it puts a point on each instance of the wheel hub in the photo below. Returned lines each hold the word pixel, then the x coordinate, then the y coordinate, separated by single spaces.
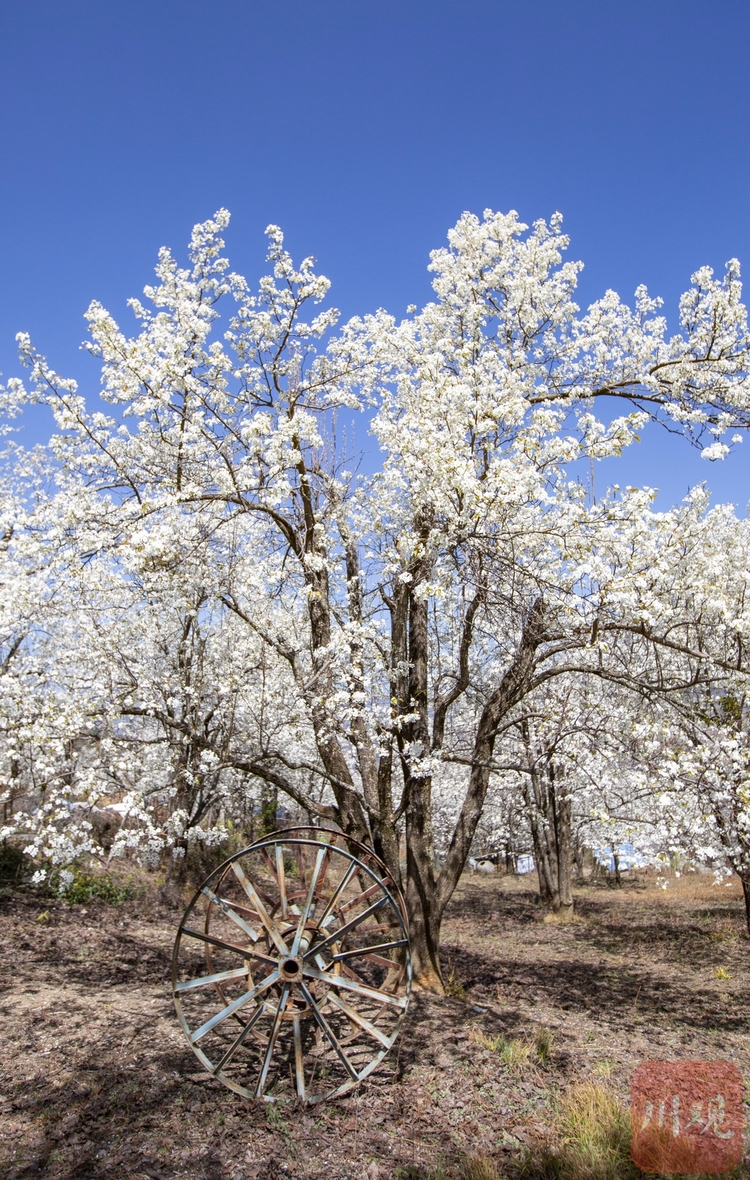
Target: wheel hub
pixel 290 968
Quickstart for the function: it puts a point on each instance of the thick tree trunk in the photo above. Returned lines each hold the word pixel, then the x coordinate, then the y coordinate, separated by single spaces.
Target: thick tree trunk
pixel 424 916
pixel 375 768
pixel 353 819
pixel 511 689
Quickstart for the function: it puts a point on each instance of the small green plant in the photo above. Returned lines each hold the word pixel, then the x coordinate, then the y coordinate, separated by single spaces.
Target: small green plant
pixel 515 1053
pixel 453 986
pixel 722 973
pixel 480 1038
pixel 273 1116
pixel 276 1122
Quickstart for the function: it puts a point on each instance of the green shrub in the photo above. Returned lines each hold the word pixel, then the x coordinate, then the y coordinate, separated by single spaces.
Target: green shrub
pixel 88 886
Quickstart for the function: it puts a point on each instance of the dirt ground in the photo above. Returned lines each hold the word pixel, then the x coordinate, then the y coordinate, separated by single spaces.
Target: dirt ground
pixel 97 1081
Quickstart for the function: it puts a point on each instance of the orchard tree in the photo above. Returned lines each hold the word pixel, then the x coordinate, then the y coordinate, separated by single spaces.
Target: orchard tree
pixel 703 736
pixel 406 617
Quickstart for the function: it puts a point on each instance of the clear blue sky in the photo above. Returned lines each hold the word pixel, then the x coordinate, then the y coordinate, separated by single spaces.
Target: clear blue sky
pixel 364 128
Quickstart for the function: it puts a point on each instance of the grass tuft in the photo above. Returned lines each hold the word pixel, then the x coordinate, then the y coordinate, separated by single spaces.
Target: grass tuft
pixel 453 986
pixel 590 1140
pixel 722 973
pixel 544 1044
pixel 512 1053
pixel 516 1052
pixel 479 1167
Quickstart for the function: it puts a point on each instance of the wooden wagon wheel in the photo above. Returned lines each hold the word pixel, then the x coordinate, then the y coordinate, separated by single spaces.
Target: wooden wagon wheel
pixel 291 970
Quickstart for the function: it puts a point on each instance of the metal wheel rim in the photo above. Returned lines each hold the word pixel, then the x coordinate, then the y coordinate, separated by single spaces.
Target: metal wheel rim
pixel 306 973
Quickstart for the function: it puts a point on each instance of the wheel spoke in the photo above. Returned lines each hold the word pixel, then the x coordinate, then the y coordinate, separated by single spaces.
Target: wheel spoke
pixel 329 1033
pixel 299 1061
pixel 363 896
pixel 360 1021
pixel 370 993
pixel 226 908
pixel 240 1038
pixel 338 934
pixel 281 878
pixel 263 914
pixel 326 917
pixel 372 950
pixel 205 980
pixel 272 1039
pixel 247 952
pixel 230 1009
pixel 305 913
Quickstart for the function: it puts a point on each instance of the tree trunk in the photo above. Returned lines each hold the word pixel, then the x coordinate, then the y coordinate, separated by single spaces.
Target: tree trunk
pixel 269 802
pixel 547 884
pixel 540 807
pixel 618 878
pixel 511 689
pixel 578 859
pixel 746 891
pixel 353 819
pixel 424 916
pixel 562 811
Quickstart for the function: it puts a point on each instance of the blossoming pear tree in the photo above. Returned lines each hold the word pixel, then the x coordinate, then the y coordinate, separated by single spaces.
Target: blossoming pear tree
pixel 390 626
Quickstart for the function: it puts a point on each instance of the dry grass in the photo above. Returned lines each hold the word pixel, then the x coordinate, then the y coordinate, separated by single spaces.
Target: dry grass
pixel 544 1044
pixel 589 1140
pixel 479 1167
pixel 723 931
pixel 701 887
